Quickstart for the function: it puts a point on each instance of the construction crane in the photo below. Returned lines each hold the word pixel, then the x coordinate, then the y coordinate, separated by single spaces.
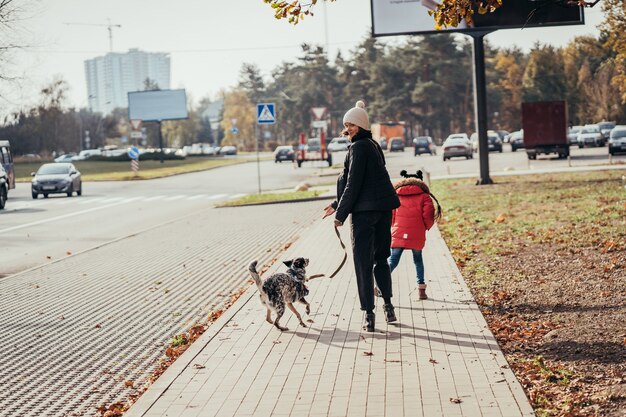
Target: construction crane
pixel 109 27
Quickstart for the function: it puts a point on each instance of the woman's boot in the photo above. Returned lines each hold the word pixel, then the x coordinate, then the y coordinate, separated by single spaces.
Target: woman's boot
pixel 422 292
pixel 390 315
pixel 370 318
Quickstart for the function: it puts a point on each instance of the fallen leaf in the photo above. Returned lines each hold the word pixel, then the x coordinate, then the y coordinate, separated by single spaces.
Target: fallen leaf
pixel 368 353
pixel 310 321
pixel 129 384
pixel 198 366
pixel 277 342
pixel 501 218
pixel 97 326
pixel 455 400
pixel 48 257
pixel 431 360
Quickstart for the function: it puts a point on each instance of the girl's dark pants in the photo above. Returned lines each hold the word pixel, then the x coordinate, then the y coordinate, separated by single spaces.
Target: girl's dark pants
pixel 371 243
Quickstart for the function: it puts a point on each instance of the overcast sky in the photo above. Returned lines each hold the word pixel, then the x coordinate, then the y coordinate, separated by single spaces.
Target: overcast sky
pixel 208 40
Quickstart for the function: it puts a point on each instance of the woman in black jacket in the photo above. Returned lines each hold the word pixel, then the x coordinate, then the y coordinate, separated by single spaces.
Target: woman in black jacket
pixel 365 191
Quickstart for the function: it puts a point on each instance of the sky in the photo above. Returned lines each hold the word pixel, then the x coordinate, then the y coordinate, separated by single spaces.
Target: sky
pixel 208 40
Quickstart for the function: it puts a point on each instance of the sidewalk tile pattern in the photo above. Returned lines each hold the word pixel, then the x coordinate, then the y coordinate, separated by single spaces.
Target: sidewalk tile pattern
pixel 440 359
pixel 73 331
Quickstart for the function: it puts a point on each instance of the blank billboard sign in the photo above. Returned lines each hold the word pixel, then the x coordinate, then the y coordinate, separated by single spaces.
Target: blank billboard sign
pixel 154 106
pixel 410 17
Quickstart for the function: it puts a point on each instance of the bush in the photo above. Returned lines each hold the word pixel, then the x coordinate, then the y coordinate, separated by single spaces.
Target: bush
pixel 147 156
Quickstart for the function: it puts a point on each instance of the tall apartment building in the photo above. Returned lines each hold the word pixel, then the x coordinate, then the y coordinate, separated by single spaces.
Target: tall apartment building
pixel 112 76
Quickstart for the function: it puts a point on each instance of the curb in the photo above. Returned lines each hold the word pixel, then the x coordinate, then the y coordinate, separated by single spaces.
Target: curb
pixel 298 200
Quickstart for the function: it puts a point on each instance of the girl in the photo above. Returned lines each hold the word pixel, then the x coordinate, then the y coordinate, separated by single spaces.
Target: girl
pixel 410 222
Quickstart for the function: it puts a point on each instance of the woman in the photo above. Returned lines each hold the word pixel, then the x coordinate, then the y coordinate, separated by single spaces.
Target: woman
pixel 365 191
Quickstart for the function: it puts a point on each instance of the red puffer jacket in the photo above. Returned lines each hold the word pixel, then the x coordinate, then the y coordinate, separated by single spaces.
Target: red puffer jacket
pixel 414 217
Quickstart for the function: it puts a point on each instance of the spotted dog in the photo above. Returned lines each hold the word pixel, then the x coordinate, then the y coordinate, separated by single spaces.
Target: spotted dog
pixel 282 290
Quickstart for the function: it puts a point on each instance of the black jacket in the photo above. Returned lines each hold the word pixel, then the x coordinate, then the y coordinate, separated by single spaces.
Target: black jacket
pixel 364 184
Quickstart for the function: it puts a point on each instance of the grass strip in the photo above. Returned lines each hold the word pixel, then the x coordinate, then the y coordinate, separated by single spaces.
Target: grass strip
pixel 271 198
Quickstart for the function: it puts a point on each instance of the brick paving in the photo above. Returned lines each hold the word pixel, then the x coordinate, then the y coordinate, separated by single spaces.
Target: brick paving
pixel 440 359
pixel 73 331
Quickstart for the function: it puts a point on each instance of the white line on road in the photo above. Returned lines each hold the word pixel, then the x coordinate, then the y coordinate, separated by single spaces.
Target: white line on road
pixel 64 216
pixel 216 196
pixel 195 197
pixel 174 197
pixel 156 197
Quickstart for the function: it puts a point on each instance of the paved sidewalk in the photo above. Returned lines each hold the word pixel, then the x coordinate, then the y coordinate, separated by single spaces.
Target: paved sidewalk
pixel 440 359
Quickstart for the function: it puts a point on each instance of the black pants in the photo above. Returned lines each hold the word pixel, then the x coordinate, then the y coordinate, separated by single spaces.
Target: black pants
pixel 371 247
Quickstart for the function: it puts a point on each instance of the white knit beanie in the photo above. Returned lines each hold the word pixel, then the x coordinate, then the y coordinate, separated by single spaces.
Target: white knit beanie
pixel 358 116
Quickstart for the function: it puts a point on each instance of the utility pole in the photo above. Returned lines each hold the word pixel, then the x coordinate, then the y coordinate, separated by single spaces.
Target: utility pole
pixel 109 27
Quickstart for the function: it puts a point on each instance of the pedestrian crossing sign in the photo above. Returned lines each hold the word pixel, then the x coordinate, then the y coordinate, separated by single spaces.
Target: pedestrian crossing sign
pixel 266 113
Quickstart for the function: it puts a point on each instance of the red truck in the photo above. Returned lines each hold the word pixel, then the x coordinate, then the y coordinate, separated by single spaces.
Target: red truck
pixel 545 128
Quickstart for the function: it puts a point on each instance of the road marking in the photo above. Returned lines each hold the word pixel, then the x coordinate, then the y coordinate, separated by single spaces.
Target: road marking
pixel 157 197
pixel 110 200
pixel 195 197
pixel 91 200
pixel 175 197
pixel 216 196
pixel 232 197
pixel 53 219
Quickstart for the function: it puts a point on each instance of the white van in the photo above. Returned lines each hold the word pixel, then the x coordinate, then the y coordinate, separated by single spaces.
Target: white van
pixel 86 154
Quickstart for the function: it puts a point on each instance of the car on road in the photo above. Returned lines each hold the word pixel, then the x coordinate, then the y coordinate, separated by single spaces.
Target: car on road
pixel 56 178
pixel 617 140
pixel 606 128
pixel 457 144
pixel 591 135
pixel 424 144
pixel 86 154
pixel 572 134
pixel 284 153
pixel 396 144
pixel 517 140
pixel 4 187
pixel 504 135
pixel 339 144
pixel 227 150
pixel 493 140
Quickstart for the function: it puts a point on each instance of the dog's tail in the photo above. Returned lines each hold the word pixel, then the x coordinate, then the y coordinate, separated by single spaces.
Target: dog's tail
pixel 255 275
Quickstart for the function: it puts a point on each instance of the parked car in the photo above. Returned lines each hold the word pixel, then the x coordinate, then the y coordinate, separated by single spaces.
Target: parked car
pixel 284 153
pixel 424 144
pixel 56 178
pixel 67 157
pixel 503 135
pixel 572 134
pixel 396 144
pixel 517 140
pixel 4 187
pixel 457 144
pixel 606 128
pixel 227 150
pixel 339 144
pixel 86 154
pixel 383 143
pixel 617 140
pixel 591 135
pixel 493 140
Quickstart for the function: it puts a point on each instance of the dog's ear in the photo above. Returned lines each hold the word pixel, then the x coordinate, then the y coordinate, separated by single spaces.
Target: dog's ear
pixel 288 263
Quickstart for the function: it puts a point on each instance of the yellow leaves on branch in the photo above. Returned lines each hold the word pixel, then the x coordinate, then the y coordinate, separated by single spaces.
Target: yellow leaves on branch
pixel 449 13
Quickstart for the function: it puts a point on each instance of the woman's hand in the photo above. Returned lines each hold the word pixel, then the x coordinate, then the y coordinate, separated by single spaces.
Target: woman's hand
pixel 338 223
pixel 328 210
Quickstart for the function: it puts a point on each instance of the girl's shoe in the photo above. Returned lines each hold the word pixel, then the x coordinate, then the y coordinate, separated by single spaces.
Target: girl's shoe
pixel 422 292
pixel 390 315
pixel 370 318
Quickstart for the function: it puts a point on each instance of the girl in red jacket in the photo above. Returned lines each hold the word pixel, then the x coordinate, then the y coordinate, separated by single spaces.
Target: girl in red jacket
pixel 410 222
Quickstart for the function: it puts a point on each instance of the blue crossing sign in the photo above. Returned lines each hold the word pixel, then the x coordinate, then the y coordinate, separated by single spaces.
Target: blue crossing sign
pixel 265 113
pixel 133 152
pixel 234 130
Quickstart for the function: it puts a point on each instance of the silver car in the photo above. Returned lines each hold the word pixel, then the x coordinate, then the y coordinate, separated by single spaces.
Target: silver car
pixel 590 135
pixel 457 144
pixel 617 141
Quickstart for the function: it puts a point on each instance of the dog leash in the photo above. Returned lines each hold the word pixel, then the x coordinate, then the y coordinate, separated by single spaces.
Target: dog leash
pixel 343 261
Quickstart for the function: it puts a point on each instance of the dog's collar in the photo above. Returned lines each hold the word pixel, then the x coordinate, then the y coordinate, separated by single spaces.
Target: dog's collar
pixel 293 274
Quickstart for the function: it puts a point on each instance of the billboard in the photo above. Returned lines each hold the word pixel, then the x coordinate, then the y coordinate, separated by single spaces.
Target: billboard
pixel 410 17
pixel 154 106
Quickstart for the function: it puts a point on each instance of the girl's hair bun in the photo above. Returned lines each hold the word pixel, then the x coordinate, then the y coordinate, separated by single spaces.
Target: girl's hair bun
pixel 403 173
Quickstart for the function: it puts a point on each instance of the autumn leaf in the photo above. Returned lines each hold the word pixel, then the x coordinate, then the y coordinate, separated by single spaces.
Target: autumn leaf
pixel 368 354
pixel 455 400
pixel 129 384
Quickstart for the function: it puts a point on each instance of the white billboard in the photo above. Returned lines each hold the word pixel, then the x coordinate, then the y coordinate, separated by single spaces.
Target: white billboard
pixel 154 106
pixel 410 17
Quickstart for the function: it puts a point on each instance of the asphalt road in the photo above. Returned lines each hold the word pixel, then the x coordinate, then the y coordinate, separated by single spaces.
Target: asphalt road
pixel 35 232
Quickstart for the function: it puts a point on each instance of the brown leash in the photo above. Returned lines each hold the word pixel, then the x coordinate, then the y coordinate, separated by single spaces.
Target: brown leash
pixel 343 261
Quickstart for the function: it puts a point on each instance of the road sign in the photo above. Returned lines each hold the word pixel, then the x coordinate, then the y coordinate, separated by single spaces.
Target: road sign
pixel 133 152
pixel 136 124
pixel 318 112
pixel 319 124
pixel 266 113
pixel 234 130
pixel 136 134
